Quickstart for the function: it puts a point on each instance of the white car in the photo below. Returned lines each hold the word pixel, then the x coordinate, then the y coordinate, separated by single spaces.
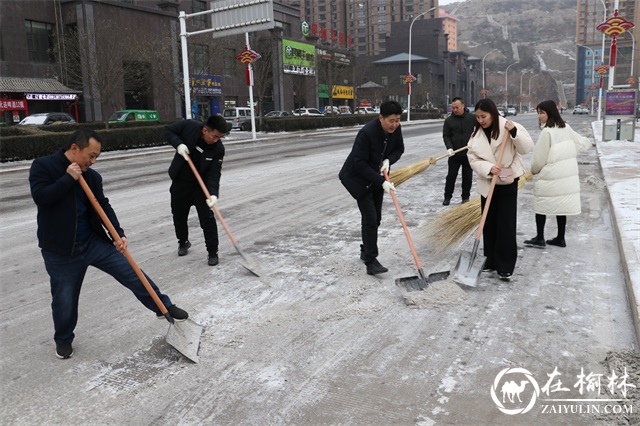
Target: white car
pixel 307 112
pixel 365 110
pixel 580 110
pixel 47 118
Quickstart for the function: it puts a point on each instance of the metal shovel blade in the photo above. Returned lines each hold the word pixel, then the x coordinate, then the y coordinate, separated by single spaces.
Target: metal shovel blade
pixel 468 268
pixel 420 283
pixel 248 263
pixel 184 336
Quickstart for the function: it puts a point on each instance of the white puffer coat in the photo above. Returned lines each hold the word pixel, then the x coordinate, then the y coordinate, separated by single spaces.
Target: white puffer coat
pixel 556 189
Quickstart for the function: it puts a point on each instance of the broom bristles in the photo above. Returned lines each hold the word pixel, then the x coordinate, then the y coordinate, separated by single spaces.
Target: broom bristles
pixel 402 175
pixel 451 225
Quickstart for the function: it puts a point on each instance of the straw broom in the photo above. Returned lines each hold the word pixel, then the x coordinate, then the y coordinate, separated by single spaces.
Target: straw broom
pixel 451 225
pixel 402 175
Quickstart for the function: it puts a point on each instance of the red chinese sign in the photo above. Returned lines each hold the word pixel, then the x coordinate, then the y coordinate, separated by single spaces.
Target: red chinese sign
pixel 13 104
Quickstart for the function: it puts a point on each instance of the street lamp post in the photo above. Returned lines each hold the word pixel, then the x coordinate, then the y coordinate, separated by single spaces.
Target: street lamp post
pixel 409 82
pixel 602 63
pixel 506 90
pixel 633 49
pixel 532 77
pixel 520 104
pixel 484 86
pixel 593 58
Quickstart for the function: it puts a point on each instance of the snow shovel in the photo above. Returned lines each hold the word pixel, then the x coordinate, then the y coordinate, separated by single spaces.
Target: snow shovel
pixel 184 336
pixel 470 264
pixel 422 281
pixel 248 263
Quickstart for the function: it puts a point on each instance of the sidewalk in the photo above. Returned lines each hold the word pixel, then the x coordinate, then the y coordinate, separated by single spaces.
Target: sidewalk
pixel 620 163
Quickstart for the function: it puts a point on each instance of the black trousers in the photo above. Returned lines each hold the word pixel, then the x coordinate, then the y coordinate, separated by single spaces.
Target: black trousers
pixel 455 162
pixel 499 233
pixel 183 196
pixel 371 210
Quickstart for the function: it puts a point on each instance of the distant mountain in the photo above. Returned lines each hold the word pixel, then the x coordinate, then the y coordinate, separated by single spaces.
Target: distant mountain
pixel 538 33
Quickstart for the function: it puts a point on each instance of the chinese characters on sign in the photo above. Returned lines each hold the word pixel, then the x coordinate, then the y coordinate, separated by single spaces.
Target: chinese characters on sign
pixel 12 104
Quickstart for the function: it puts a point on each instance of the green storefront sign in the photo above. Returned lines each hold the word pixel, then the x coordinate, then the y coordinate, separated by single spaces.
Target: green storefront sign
pixel 298 58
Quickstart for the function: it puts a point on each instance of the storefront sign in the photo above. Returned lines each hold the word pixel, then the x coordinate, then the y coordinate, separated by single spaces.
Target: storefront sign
pixel 298 58
pixel 342 92
pixel 203 85
pixel 13 104
pixel 51 96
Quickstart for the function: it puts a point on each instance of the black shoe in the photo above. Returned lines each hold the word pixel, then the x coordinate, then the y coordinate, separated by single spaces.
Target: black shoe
pixel 176 313
pixel 213 260
pixel 64 350
pixel 536 242
pixel 183 248
pixel 505 276
pixel 557 242
pixel 464 200
pixel 374 267
pixel 446 201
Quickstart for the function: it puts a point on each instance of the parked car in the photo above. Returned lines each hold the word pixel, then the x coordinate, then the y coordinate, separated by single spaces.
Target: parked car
pixel 328 110
pixel 344 109
pixel 46 118
pixel 580 110
pixel 512 111
pixel 278 114
pixel 365 110
pixel 238 117
pixel 127 115
pixel 307 112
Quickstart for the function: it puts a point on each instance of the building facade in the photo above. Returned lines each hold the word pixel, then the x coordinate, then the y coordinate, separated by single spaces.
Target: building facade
pixel 593 48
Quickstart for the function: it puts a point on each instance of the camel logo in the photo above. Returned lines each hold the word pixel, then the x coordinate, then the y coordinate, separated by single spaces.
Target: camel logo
pixel 512 390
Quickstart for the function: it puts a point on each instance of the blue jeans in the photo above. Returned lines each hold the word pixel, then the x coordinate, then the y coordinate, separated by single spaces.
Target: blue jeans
pixel 67 273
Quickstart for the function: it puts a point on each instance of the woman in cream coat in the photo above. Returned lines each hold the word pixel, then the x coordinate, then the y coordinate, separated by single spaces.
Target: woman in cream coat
pixel 557 187
pixel 499 233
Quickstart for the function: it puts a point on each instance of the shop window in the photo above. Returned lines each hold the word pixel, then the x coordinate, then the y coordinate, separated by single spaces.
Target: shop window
pixel 40 41
pixel 199 6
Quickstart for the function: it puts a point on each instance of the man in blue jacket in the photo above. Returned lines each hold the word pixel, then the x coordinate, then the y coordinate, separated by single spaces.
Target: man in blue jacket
pixel 202 142
pixel 72 238
pixel 378 145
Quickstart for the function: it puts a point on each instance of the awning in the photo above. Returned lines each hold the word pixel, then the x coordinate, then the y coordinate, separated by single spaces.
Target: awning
pixel 33 85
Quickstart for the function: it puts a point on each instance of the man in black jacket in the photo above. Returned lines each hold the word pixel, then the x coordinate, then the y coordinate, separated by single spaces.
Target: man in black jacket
pixel 378 144
pixel 72 238
pixel 456 133
pixel 202 142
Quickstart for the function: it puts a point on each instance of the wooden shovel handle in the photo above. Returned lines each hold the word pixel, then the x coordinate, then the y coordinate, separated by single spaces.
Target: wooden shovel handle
pixel 485 211
pixel 404 225
pixel 206 194
pixel 117 238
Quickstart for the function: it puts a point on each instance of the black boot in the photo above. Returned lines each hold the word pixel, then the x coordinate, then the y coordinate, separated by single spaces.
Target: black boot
pixel 557 242
pixel 374 267
pixel 537 242
pixel 183 248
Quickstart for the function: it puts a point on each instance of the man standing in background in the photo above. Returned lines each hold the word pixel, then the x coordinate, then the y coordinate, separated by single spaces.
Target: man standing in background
pixel 456 133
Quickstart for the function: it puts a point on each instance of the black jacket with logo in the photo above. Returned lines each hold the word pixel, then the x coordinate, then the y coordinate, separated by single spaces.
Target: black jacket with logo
pixel 207 158
pixel 362 167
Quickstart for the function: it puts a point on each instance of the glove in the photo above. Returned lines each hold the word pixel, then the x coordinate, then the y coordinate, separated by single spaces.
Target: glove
pixel 182 150
pixel 385 165
pixel 212 201
pixel 388 186
pixel 450 151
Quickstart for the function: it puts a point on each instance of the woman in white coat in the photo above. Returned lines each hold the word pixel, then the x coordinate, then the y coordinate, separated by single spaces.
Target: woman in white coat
pixel 556 190
pixel 499 232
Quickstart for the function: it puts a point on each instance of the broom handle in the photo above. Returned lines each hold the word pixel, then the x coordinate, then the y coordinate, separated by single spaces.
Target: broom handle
pixel 493 185
pixel 206 193
pixel 404 225
pixel 454 152
pixel 117 238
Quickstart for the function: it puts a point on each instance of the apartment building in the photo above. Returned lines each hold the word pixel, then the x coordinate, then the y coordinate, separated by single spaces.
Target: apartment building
pixel 593 48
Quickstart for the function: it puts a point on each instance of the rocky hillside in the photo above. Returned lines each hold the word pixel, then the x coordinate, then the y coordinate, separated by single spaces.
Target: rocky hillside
pixel 538 33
